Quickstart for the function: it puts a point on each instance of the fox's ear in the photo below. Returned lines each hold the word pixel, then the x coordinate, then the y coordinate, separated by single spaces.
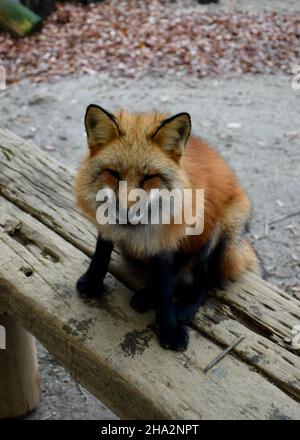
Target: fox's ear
pixel 173 133
pixel 101 126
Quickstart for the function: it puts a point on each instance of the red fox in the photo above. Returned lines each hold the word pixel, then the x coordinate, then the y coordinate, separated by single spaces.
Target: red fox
pixel 155 151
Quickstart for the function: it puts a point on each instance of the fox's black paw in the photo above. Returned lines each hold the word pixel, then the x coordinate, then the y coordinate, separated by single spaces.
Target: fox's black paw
pixel 175 338
pixel 142 301
pixel 186 313
pixel 89 289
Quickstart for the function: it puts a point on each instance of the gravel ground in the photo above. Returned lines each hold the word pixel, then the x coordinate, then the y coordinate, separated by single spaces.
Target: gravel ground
pixel 250 5
pixel 134 38
pixel 252 120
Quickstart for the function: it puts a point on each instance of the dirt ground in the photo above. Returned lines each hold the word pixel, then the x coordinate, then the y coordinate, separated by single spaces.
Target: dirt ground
pixel 253 121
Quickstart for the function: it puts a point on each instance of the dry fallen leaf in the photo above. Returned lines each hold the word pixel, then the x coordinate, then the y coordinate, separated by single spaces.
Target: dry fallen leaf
pixel 133 38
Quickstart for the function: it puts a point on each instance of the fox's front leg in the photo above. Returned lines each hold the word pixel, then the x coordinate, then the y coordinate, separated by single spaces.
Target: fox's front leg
pixel 192 298
pixel 171 334
pixel 90 284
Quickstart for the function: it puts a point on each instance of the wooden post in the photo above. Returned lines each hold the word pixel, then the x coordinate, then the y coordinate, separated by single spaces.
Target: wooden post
pixel 19 376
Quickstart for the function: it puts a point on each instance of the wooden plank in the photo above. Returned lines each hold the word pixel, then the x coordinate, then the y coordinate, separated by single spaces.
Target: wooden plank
pixel 110 348
pixel 251 307
pixel 215 320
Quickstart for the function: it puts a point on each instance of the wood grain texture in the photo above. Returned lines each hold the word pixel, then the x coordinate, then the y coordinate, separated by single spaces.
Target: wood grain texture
pixel 110 348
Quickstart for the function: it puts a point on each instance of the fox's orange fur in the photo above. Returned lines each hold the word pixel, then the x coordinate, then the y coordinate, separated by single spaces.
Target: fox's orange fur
pixel 134 146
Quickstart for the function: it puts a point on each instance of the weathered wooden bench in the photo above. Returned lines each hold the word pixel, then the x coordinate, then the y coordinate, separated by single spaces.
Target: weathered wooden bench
pixel 109 348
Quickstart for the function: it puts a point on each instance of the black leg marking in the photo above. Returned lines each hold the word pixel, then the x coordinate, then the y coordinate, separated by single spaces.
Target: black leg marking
pixel 90 284
pixel 193 297
pixel 171 334
pixel 174 338
pixel 214 262
pixel 143 300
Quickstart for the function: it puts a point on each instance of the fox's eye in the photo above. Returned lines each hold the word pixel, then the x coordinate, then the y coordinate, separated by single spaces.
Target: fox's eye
pixel 152 181
pixel 113 173
pixel 150 176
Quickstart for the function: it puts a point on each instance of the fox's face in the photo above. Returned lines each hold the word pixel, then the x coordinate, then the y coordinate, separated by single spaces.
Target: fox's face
pixel 139 151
